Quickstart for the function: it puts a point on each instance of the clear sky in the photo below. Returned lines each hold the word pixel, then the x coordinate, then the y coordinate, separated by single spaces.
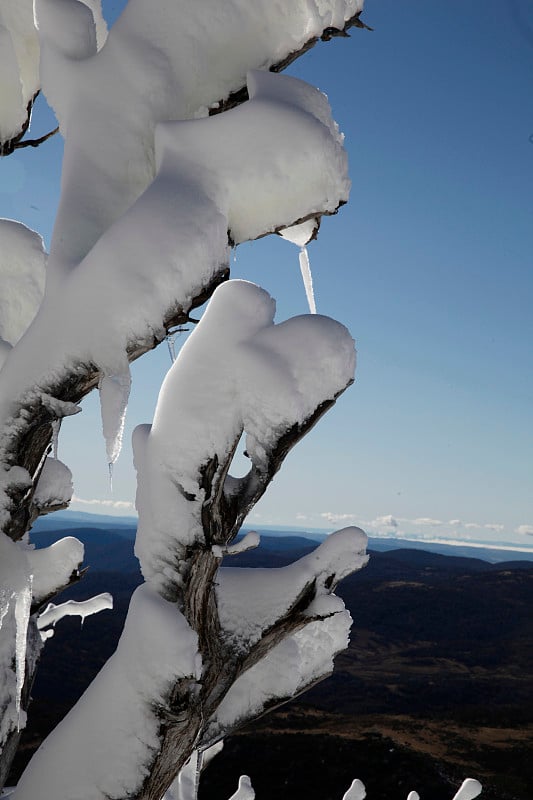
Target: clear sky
pixel 429 265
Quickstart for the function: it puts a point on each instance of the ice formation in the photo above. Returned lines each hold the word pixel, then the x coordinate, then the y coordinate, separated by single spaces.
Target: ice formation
pixel 307 277
pixel 469 790
pixel 114 394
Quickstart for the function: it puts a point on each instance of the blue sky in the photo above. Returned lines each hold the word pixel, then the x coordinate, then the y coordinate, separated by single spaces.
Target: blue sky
pixel 429 265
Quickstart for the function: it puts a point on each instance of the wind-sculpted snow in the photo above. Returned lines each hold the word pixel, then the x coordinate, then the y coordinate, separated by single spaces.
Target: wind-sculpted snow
pixel 52 566
pixel 103 746
pixel 251 600
pixel 237 371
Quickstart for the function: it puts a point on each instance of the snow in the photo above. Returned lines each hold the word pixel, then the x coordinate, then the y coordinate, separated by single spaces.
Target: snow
pixel 301 234
pixel 251 600
pixel 168 71
pixel 245 789
pixel 413 796
pixel 285 671
pixel 248 542
pixel 22 276
pixel 357 791
pixel 54 487
pixel 237 371
pixel 209 170
pixel 19 64
pixel 469 790
pixel 104 745
pixel 78 608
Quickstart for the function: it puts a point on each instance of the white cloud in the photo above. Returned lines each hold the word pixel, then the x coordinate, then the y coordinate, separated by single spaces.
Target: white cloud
pixel 123 505
pixel 472 525
pixel 301 516
pixel 334 518
pixel 426 521
pixel 524 530
pixel 494 526
pixel 387 521
pixel 455 522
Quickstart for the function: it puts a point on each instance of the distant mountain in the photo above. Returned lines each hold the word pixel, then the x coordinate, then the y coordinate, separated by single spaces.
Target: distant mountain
pixel 125 526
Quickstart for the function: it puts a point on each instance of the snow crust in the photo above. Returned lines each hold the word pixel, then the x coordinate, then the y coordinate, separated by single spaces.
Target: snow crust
pixel 54 487
pixel 22 277
pixel 105 743
pixel 251 600
pixel 237 371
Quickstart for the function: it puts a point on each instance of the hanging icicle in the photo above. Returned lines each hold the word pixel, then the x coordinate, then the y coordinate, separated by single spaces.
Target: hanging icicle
pixel 305 269
pixel 56 427
pixel 114 393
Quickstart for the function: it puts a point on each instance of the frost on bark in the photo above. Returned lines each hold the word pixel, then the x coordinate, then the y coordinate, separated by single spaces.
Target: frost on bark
pixel 168 186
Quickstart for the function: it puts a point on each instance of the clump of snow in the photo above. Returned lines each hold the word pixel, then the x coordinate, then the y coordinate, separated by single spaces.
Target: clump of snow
pixel 357 791
pixel 22 276
pixel 251 600
pixel 174 71
pixel 19 65
pixel 300 234
pixel 469 790
pixel 245 790
pixel 77 608
pixel 106 742
pixel 54 487
pixel 248 542
pixel 286 670
pixel 413 796
pixel 237 371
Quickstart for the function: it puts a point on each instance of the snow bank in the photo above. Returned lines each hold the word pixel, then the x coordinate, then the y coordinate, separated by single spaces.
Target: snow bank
pixel 237 371
pixel 104 745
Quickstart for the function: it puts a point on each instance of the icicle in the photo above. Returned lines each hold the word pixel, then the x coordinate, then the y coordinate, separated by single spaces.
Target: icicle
pixel 110 468
pixel 114 394
pixel 245 790
pixel 413 796
pixel 305 269
pixel 171 346
pixel 22 618
pixel 56 426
